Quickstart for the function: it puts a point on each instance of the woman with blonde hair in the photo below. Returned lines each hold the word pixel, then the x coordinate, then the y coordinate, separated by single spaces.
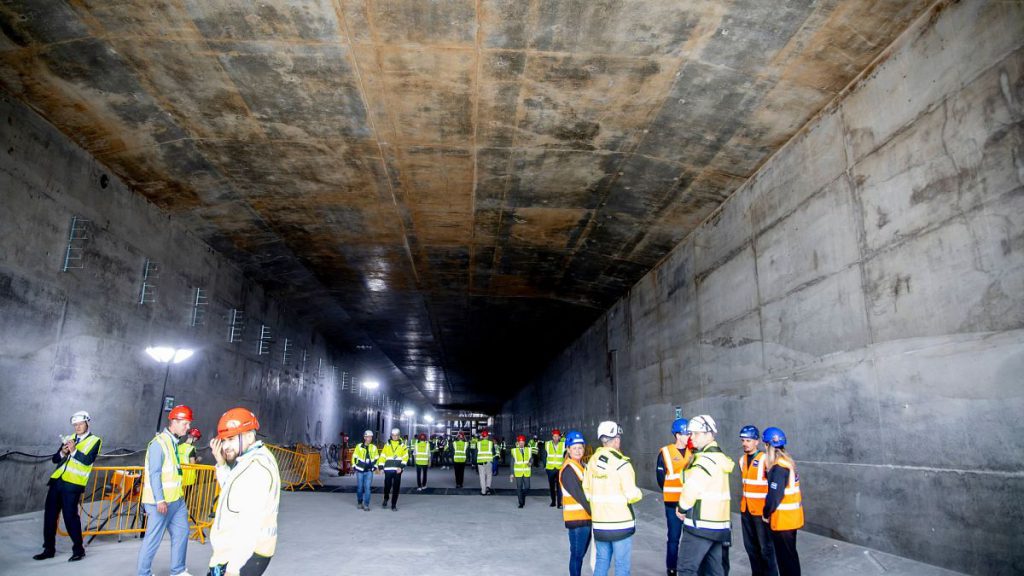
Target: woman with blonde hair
pixel 783 507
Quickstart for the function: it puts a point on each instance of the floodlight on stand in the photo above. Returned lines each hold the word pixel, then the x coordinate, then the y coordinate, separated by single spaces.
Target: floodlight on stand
pixel 371 384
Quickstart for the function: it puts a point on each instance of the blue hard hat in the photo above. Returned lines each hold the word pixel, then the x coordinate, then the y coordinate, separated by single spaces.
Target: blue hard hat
pixel 573 438
pixel 774 437
pixel 679 426
pixel 750 432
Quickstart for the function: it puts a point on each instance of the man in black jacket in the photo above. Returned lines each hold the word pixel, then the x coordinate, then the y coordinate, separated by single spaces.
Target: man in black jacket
pixel 74 461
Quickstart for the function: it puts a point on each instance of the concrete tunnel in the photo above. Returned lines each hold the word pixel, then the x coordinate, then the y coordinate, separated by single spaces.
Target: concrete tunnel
pixel 523 215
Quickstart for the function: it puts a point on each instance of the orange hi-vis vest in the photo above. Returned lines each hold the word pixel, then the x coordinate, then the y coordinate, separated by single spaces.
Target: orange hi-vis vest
pixel 755 486
pixel 790 513
pixel 572 511
pixel 675 462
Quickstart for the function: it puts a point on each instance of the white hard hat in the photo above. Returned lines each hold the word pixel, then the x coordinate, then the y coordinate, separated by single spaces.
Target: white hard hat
pixel 368 433
pixel 396 431
pixel 608 429
pixel 702 423
pixel 80 416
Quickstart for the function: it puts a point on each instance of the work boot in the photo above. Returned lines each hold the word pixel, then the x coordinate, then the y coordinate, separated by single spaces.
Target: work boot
pixel 45 554
pixel 384 504
pixel 552 505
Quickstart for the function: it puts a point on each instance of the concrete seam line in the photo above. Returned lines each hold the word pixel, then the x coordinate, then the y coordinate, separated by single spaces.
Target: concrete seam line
pixel 1000 473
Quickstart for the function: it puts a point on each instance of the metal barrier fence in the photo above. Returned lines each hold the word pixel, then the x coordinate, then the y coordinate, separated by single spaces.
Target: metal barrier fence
pixel 112 502
pixel 299 468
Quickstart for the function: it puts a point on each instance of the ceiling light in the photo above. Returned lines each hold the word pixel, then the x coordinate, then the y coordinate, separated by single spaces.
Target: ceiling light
pixel 168 354
pixel 409 412
pixel 428 418
pixel 371 384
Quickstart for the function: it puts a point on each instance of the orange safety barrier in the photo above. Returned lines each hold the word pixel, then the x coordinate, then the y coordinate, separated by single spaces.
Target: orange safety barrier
pixel 298 469
pixel 112 502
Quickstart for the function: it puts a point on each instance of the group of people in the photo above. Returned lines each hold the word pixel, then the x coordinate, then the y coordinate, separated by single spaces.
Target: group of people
pixel 244 532
pixel 693 474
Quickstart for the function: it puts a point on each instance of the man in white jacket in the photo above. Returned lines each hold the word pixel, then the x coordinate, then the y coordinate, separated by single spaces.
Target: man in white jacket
pixel 244 532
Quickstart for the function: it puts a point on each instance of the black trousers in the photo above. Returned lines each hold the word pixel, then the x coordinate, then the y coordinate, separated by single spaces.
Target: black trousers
pixel 758 543
pixel 62 499
pixel 392 484
pixel 553 490
pixel 522 487
pixel 421 475
pixel 255 566
pixel 784 542
pixel 701 556
pixel 460 473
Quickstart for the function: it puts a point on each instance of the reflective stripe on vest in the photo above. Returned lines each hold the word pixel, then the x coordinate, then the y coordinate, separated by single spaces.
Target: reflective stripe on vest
pixel 72 471
pixel 170 471
pixel 422 453
pixel 675 462
pixel 393 456
pixel 572 511
pixel 365 457
pixel 755 487
pixel 790 513
pixel 485 452
pixel 555 454
pixel 521 462
pixel 460 450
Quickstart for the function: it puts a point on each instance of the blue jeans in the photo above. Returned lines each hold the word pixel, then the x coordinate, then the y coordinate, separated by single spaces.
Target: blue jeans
pixel 579 542
pixel 623 552
pixel 363 481
pixel 675 532
pixel 174 522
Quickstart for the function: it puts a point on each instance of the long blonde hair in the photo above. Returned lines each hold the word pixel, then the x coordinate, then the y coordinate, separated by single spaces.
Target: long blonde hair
pixel 775 454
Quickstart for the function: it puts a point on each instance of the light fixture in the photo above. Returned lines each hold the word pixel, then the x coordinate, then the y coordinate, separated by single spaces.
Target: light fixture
pixel 371 384
pixel 409 412
pixel 169 355
pixel 428 418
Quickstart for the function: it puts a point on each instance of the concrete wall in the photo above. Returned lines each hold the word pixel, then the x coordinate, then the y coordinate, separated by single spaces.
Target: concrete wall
pixel 865 292
pixel 74 340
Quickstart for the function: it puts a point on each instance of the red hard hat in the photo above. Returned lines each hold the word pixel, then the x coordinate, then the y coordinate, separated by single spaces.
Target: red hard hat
pixel 235 422
pixel 462 434
pixel 423 436
pixel 180 412
pixel 484 433
pixel 195 433
pixel 520 438
pixel 556 431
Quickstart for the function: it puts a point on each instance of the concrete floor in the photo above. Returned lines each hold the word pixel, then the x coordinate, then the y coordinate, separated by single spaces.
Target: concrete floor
pixel 433 535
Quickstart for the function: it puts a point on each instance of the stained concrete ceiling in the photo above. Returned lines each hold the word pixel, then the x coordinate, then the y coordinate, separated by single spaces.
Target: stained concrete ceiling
pixel 462 185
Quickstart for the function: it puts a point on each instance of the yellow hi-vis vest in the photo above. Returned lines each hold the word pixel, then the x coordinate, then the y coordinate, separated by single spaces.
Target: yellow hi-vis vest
pixel 246 519
pixel 705 496
pixel 170 472
pixel 72 471
pixel 364 458
pixel 422 453
pixel 556 453
pixel 459 452
pixel 484 452
pixel 393 456
pixel 185 452
pixel 521 462
pixel 610 485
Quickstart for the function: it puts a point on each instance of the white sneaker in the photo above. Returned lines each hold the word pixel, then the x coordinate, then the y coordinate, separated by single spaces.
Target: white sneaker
pixel 182 574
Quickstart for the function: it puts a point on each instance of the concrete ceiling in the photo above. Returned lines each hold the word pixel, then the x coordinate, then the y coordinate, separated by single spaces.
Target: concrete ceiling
pixel 464 185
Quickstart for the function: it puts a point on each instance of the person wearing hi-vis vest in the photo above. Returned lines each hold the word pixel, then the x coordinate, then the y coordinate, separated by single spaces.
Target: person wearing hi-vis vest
pixel 187 455
pixel 74 460
pixel 576 513
pixel 554 452
pixel 460 449
pixel 521 456
pixel 783 505
pixel 704 503
pixel 422 454
pixel 163 495
pixel 244 531
pixel 485 453
pixel 364 462
pixel 393 457
pixel 610 486
pixel 672 460
pixel 756 538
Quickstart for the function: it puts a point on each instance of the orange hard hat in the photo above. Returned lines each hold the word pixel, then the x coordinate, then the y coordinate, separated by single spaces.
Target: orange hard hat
pixel 235 422
pixel 485 433
pixel 180 412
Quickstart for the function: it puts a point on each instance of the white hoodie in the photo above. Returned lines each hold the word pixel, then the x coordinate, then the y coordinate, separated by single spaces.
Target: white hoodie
pixel 246 521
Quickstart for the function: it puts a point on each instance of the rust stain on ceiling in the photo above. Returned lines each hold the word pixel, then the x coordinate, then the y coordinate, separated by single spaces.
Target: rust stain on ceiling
pixel 463 184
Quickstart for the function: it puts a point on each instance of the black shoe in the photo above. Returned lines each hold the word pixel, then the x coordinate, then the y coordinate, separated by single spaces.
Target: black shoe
pixel 384 504
pixel 520 505
pixel 559 506
pixel 394 508
pixel 43 555
pixel 552 505
pixel 76 557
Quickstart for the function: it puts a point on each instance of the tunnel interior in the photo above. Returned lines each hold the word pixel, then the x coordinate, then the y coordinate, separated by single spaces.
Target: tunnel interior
pixel 533 215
